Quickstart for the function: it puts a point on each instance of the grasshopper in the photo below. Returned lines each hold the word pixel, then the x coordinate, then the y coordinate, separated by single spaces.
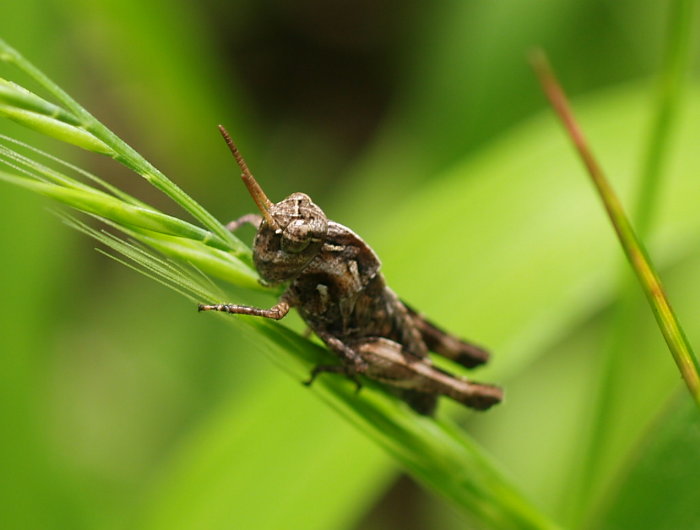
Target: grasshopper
pixel 334 281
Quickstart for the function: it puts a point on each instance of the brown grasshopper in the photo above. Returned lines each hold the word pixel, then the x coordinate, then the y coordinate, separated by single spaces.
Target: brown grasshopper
pixel 334 282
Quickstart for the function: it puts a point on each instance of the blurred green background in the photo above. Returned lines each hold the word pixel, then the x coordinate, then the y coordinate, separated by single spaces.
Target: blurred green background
pixel 420 126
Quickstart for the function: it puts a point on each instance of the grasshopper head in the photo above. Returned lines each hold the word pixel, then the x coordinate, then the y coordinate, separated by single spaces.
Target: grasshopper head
pixel 289 238
pixel 291 233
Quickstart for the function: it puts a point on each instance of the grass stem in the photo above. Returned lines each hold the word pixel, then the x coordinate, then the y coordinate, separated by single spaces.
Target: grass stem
pixel 674 336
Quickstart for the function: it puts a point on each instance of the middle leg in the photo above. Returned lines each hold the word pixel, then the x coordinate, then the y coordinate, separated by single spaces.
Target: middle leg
pixel 352 363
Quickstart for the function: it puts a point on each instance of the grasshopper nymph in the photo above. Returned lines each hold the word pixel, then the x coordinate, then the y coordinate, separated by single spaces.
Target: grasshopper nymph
pixel 334 282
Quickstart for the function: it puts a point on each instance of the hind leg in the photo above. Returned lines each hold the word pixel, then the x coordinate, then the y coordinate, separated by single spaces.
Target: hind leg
pixel 419 378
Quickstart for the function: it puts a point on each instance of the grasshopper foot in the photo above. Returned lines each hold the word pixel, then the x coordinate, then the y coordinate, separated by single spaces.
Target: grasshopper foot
pixel 335 369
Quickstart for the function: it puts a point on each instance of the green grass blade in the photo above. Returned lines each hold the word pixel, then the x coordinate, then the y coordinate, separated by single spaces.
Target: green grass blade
pixel 167 273
pixel 214 262
pixel 103 205
pixel 55 176
pixel 674 336
pixel 14 95
pixel 28 109
pixel 121 150
pixel 619 352
pixel 168 235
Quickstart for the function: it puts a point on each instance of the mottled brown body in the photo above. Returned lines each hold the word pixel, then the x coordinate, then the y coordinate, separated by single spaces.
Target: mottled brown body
pixel 335 283
pixel 342 293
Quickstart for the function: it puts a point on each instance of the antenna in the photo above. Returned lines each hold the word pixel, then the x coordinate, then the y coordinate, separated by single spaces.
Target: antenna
pixel 263 203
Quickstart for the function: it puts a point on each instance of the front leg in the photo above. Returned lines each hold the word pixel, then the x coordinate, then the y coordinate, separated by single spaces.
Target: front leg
pixel 250 219
pixel 276 312
pixel 352 365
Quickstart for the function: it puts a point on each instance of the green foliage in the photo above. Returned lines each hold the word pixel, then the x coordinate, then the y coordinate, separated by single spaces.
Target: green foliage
pixel 431 450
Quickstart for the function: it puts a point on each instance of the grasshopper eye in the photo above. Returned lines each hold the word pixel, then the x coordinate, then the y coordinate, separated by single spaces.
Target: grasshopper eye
pixel 298 234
